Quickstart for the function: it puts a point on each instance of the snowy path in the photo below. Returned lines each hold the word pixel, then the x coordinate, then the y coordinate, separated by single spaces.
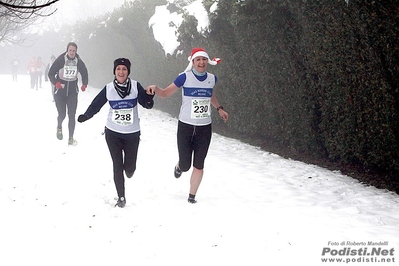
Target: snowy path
pixel 254 207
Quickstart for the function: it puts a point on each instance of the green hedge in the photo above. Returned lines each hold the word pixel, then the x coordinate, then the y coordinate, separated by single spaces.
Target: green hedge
pixel 318 78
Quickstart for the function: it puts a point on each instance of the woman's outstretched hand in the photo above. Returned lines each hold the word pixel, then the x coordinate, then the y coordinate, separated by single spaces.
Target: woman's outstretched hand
pixel 151 89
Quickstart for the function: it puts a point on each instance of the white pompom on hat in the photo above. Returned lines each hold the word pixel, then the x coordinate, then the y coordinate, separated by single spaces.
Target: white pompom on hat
pixel 195 52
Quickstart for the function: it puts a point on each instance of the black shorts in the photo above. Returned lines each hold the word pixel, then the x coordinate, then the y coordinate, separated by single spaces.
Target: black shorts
pixel 193 140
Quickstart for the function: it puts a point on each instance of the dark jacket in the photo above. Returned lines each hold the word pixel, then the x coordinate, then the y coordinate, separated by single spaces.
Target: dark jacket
pixel 58 65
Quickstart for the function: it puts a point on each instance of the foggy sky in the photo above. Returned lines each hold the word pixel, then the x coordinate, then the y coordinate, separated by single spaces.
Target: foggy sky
pixel 70 11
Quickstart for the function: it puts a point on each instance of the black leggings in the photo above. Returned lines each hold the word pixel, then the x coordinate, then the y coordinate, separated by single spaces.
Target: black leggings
pixel 62 102
pixel 123 149
pixel 193 139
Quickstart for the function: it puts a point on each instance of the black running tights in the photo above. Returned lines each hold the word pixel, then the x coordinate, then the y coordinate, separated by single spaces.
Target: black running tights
pixel 123 149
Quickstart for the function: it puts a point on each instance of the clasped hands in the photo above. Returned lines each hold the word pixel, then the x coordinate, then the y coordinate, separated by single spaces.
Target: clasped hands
pixel 151 89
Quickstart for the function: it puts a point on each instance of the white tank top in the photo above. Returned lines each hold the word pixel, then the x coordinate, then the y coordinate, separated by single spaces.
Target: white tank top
pixel 123 113
pixel 196 95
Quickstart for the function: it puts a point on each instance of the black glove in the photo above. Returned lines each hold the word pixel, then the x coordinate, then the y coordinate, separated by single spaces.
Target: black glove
pixel 83 118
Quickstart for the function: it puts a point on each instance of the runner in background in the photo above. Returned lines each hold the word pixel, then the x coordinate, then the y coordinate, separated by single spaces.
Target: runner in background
pixel 40 66
pixel 14 68
pixel 63 74
pixel 52 86
pixel 32 72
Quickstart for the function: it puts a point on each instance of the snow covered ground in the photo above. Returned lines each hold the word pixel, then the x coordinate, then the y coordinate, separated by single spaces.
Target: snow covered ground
pixel 254 207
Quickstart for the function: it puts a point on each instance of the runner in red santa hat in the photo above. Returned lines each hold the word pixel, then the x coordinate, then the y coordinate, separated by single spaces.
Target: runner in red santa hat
pixel 194 130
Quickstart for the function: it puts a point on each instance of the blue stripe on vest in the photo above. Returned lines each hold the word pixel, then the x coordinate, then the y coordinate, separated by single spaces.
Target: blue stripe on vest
pixel 197 92
pixel 123 104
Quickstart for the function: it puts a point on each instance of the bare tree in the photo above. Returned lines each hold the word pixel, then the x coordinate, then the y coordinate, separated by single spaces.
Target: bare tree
pixel 17 15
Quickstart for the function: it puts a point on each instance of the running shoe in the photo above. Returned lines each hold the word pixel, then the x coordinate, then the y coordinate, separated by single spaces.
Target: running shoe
pixel 72 142
pixel 191 199
pixel 121 202
pixel 59 133
pixel 178 172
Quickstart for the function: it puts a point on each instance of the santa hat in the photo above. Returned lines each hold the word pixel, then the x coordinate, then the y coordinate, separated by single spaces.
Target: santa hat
pixel 195 52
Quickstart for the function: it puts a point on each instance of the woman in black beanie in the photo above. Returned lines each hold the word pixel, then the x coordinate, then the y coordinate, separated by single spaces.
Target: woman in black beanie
pixel 122 128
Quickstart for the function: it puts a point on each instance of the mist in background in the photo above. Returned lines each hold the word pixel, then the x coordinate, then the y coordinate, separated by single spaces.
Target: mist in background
pixel 301 79
pixel 67 14
pixel 146 32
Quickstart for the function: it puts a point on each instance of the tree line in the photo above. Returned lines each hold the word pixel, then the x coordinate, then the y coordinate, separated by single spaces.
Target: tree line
pixel 310 80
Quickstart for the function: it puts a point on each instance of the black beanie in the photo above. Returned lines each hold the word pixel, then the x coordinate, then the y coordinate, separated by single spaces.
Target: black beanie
pixel 122 61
